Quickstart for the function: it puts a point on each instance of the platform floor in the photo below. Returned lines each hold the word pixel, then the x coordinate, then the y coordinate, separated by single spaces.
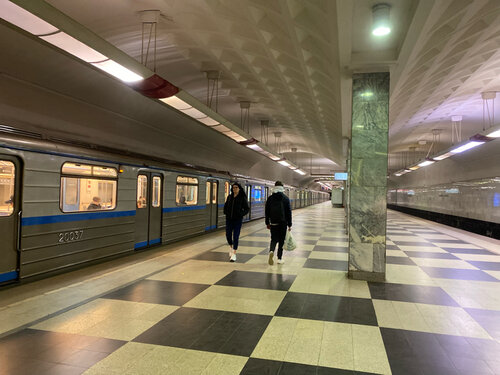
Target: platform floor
pixel 184 309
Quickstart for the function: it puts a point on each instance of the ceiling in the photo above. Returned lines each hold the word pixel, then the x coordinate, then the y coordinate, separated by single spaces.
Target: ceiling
pixel 293 59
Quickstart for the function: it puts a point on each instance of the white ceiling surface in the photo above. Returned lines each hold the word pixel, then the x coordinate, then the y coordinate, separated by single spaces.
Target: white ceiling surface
pixel 279 55
pixel 293 60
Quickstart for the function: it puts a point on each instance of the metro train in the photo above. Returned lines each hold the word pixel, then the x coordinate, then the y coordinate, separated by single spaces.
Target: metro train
pixel 63 206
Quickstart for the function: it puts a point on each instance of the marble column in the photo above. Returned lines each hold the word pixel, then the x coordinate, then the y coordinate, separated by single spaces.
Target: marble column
pixel 367 176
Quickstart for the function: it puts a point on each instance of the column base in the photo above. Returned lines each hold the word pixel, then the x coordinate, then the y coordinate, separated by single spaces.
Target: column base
pixel 366 276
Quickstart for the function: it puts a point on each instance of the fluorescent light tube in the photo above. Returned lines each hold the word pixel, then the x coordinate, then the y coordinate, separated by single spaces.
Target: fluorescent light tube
pixel 221 128
pixel 27 21
pixel 415 167
pixel 495 134
pixel 74 47
pixel 194 113
pixel 466 147
pixel 299 172
pixel 443 156
pixel 426 163
pixel 117 70
pixel 177 103
pixel 255 147
pixel 208 121
pixel 283 162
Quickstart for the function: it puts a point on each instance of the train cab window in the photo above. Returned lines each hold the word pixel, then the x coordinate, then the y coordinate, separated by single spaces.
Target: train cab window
pixel 7 179
pixel 207 195
pixel 214 192
pixel 87 188
pixel 142 191
pixel 257 194
pixel 156 191
pixel 186 192
pixel 227 190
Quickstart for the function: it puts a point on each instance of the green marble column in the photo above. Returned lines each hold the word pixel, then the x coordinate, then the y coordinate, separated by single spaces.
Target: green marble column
pixel 367 176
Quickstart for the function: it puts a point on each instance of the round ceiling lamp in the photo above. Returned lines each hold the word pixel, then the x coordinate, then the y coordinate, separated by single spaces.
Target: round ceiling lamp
pixel 381 23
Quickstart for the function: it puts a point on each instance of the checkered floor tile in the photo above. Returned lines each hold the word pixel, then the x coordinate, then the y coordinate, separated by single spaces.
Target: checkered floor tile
pixel 437 313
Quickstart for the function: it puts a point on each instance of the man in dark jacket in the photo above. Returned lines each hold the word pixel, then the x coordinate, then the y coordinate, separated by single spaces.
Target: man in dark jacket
pixel 278 217
pixel 235 208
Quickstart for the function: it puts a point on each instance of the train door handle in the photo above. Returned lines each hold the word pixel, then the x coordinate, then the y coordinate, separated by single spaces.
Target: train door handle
pixel 19 214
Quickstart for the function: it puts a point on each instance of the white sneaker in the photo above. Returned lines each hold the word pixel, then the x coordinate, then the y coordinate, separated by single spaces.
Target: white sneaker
pixel 281 261
pixel 231 252
pixel 271 255
pixel 233 258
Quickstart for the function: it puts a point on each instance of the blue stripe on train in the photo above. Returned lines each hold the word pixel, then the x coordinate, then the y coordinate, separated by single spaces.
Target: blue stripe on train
pixel 183 208
pixel 155 241
pixel 38 220
pixel 8 276
pixel 210 227
pixel 138 245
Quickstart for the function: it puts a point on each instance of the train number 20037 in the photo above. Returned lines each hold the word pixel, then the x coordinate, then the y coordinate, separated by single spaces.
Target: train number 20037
pixel 74 235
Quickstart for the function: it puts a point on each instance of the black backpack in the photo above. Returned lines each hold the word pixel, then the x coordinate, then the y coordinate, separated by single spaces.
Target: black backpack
pixel 277 211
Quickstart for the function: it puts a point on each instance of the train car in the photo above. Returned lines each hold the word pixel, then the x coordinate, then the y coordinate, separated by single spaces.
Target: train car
pixel 63 206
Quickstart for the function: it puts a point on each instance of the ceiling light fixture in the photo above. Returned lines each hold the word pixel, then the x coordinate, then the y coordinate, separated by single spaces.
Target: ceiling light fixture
pixel 381 23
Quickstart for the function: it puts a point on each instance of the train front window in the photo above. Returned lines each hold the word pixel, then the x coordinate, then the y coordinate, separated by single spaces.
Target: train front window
pixel 186 192
pixel 7 180
pixel 87 188
pixel 207 195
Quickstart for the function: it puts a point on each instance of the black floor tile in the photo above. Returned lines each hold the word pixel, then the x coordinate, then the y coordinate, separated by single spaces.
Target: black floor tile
pixel 31 351
pixel 488 319
pixel 419 353
pixel 425 254
pixel 413 243
pixel 392 247
pixel 218 256
pixel 332 249
pixel 208 330
pixel 307 242
pixel 154 291
pixel 257 366
pixel 337 265
pixel 336 239
pixel 458 274
pixel 467 251
pixel 400 260
pixel 295 253
pixel 328 308
pixel 486 266
pixel 260 244
pixel 261 280
pixel 411 293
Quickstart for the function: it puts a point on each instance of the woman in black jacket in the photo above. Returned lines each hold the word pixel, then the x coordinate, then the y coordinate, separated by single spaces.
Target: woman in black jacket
pixel 235 208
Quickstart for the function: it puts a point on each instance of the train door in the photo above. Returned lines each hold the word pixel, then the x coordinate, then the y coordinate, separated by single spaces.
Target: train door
pixel 212 203
pixel 248 192
pixel 148 214
pixel 10 217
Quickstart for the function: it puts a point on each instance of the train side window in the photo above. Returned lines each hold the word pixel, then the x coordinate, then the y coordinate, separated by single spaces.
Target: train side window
pixel 214 192
pixel 227 190
pixel 207 195
pixel 257 194
pixel 87 188
pixel 186 192
pixel 142 191
pixel 156 191
pixel 7 181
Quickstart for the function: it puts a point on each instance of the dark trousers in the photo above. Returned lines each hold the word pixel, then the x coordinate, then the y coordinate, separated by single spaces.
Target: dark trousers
pixel 233 228
pixel 278 234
